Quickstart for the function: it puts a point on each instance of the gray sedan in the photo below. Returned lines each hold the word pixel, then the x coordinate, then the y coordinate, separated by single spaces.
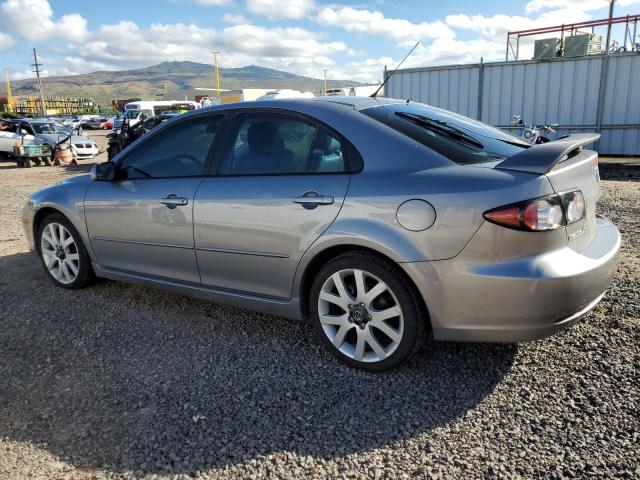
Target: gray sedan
pixel 383 222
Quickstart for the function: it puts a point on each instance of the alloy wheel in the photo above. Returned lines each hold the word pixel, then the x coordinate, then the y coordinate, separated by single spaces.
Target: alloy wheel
pixel 60 253
pixel 360 315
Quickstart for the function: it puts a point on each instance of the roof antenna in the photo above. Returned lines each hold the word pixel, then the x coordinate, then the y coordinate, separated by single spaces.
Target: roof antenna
pixel 373 95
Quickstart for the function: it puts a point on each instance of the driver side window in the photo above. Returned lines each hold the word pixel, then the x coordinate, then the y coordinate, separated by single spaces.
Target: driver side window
pixel 179 151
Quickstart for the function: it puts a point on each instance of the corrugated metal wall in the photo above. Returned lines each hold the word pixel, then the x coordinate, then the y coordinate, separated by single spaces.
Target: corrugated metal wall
pixel 563 90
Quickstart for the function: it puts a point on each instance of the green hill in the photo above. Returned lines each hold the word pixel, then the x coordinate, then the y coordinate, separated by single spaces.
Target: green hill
pixel 147 82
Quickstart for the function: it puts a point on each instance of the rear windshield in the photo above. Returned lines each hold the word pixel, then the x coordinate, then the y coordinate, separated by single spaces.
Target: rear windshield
pixel 460 139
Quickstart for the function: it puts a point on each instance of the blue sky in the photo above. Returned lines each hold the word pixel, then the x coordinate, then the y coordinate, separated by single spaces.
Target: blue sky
pixel 350 39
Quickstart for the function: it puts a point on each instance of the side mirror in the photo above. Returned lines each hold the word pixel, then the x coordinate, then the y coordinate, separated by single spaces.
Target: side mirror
pixel 555 125
pixel 23 132
pixel 103 172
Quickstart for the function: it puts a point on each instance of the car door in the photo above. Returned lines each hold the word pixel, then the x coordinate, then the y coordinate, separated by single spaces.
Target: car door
pixel 280 183
pixel 142 222
pixel 8 136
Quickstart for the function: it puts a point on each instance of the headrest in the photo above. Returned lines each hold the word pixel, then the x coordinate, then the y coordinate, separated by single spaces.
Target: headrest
pixel 264 136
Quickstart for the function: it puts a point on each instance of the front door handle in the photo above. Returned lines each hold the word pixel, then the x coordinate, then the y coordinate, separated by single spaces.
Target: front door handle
pixel 312 199
pixel 172 200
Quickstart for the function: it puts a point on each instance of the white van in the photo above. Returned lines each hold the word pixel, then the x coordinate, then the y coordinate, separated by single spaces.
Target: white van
pixel 136 112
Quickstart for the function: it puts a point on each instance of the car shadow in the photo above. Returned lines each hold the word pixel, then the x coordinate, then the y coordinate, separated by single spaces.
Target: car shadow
pixel 124 378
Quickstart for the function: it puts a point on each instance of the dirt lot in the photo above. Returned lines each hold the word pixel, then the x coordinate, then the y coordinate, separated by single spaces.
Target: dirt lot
pixel 123 381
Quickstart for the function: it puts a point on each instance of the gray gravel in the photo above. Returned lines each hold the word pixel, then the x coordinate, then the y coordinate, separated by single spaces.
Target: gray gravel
pixel 123 381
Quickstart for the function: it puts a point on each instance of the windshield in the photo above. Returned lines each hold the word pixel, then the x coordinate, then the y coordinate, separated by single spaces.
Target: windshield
pixel 131 114
pixel 50 128
pixel 458 138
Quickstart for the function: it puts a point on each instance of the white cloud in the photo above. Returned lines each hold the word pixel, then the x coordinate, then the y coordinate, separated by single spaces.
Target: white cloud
pixel 33 19
pixel 493 26
pixel 305 51
pixel 234 18
pixel 281 9
pixel 534 6
pixel 375 23
pixel 6 41
pixel 126 45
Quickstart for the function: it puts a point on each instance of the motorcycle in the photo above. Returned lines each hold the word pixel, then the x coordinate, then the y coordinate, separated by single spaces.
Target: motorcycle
pixel 534 133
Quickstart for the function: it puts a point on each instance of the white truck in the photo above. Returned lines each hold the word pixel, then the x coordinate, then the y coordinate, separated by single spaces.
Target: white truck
pixel 136 112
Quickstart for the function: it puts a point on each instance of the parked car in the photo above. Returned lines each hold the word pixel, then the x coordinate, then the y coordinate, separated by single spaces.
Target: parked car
pixel 97 123
pixel 74 123
pixel 379 220
pixel 11 135
pixel 82 147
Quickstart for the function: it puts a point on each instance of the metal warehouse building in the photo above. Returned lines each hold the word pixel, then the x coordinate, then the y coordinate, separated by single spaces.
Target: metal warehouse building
pixel 585 94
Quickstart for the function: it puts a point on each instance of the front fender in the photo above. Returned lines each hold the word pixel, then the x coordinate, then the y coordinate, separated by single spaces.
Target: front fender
pixel 68 199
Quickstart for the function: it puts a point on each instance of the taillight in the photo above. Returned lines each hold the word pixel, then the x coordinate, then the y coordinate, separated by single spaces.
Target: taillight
pixel 540 214
pixel 596 168
pixel 574 205
pixel 543 214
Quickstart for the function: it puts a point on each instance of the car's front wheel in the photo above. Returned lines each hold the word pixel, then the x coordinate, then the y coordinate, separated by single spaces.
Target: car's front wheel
pixel 63 254
pixel 365 312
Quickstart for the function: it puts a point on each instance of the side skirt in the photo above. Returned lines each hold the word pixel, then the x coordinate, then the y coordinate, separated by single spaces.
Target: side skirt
pixel 287 308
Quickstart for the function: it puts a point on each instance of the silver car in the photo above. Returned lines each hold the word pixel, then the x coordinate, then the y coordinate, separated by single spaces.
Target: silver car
pixel 383 222
pixel 51 133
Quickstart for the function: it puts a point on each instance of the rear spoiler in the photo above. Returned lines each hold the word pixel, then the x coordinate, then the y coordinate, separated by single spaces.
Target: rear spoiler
pixel 543 157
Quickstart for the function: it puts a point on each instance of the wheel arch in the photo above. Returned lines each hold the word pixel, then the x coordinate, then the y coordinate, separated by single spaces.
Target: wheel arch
pixel 320 259
pixel 73 215
pixel 43 213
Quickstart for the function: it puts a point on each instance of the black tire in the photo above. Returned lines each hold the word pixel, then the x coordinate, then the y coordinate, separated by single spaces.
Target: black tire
pixel 85 275
pixel 27 163
pixel 416 322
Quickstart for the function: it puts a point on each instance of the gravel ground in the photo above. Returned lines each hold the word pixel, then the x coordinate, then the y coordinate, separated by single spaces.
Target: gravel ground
pixel 123 381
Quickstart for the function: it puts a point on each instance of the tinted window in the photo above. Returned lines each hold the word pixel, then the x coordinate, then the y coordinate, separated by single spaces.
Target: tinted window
pixel 273 143
pixel 49 128
pixel 457 138
pixel 179 151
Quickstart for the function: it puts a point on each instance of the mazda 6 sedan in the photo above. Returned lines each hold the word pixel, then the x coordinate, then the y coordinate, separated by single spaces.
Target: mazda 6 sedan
pixel 383 222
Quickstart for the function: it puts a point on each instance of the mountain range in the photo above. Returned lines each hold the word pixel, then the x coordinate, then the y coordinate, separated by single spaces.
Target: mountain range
pixel 148 82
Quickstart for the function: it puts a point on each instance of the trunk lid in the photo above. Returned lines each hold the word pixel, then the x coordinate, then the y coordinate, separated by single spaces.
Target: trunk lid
pixel 579 172
pixel 568 167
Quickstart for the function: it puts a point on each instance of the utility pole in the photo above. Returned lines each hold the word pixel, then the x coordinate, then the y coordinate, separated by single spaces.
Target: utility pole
pixel 611 3
pixel 12 107
pixel 215 60
pixel 324 88
pixel 36 67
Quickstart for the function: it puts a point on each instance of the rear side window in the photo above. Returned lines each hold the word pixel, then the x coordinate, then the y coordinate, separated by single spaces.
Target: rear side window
pixel 461 140
pixel 280 144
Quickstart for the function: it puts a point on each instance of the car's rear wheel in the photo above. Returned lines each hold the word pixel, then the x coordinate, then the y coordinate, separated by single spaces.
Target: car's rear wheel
pixel 63 254
pixel 366 313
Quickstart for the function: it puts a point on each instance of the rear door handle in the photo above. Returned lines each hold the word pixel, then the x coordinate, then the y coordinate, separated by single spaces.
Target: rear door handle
pixel 172 200
pixel 313 199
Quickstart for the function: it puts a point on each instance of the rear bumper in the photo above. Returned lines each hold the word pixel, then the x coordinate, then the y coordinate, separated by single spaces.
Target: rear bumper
pixel 472 298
